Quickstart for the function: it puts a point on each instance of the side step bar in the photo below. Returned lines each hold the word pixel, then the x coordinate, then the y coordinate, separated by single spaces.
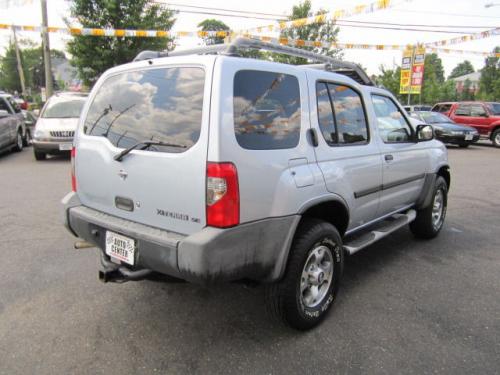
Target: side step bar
pixel 379 231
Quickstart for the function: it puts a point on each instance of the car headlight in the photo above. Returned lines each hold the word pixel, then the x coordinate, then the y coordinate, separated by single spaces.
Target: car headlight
pixel 39 133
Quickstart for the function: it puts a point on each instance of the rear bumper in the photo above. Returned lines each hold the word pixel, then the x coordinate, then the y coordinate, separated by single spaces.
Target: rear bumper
pixel 52 146
pixel 256 251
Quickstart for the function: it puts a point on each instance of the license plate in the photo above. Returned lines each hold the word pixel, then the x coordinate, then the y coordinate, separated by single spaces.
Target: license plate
pixel 468 137
pixel 65 146
pixel 120 247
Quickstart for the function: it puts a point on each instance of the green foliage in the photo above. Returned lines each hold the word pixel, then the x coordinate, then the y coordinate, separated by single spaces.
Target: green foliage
pixel 461 69
pixel 33 67
pixel 489 84
pixel 466 93
pixel 389 79
pixel 434 87
pixel 211 24
pixel 325 32
pixel 94 55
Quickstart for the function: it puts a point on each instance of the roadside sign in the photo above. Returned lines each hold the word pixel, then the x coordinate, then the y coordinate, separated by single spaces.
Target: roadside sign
pixel 417 71
pixel 404 87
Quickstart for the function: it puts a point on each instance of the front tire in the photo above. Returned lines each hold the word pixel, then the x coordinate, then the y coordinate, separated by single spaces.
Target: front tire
pixel 39 155
pixel 495 138
pixel 310 285
pixel 429 220
pixel 19 142
pixel 463 145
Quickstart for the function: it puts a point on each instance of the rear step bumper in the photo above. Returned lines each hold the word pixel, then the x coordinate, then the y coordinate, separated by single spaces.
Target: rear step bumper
pixel 256 251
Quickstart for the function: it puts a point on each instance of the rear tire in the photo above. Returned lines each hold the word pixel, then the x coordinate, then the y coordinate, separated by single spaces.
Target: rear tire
pixel 303 297
pixel 19 142
pixel 495 138
pixel 27 139
pixel 39 155
pixel 429 220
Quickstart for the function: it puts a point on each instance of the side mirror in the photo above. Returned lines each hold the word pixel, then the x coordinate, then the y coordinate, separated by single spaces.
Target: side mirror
pixel 424 133
pixel 3 113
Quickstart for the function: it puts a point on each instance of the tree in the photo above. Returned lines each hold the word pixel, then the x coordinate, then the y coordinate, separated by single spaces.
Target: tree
pixel 93 55
pixel 325 32
pixel 433 80
pixel 461 69
pixel 211 24
pixel 33 67
pixel 390 80
pixel 466 93
pixel 489 84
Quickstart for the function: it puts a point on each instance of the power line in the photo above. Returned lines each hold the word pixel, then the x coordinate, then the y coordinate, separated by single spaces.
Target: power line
pixel 416 25
pixel 443 13
pixel 405 29
pixel 220 9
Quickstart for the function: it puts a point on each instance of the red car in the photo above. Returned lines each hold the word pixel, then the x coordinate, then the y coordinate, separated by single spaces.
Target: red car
pixel 484 116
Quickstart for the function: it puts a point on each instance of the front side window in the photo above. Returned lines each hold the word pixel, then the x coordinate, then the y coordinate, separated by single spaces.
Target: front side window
pixel 494 108
pixel 392 125
pixel 161 105
pixel 340 114
pixel 57 108
pixel 266 110
pixel 4 106
pixel 477 110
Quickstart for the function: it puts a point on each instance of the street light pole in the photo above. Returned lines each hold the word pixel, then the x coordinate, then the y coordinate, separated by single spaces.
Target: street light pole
pixel 46 51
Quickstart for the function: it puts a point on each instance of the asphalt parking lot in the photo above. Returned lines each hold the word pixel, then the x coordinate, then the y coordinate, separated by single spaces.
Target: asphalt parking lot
pixel 406 307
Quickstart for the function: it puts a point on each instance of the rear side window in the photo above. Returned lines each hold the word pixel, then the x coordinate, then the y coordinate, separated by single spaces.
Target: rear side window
pixel 162 105
pixel 340 113
pixel 266 110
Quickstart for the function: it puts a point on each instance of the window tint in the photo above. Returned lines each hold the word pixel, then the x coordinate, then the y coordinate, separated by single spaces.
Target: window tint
pixel 349 114
pixel 15 106
pixel 325 114
pixel 441 108
pixel 266 110
pixel 494 108
pixel 392 125
pixel 463 110
pixel 340 114
pixel 156 104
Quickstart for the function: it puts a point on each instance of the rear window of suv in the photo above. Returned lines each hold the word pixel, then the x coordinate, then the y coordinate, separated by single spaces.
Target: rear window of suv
pixel 161 105
pixel 266 110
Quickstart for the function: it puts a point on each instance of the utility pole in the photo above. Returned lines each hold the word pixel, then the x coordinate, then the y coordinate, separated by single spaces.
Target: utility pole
pixel 46 51
pixel 19 64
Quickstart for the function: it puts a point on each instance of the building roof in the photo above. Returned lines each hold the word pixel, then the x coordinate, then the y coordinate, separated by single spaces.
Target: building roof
pixel 473 77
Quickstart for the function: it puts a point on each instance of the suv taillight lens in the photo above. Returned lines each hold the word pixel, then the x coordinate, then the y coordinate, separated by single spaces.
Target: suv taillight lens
pixel 223 196
pixel 73 176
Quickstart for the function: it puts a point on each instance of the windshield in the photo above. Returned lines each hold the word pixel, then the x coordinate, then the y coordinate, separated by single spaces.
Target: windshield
pixel 434 117
pixel 160 105
pixel 494 108
pixel 64 109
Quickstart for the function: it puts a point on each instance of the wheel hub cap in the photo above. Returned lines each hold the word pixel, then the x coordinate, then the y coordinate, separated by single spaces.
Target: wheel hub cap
pixel 317 276
pixel 437 209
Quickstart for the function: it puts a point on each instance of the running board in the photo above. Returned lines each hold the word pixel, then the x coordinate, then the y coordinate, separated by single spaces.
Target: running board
pixel 379 230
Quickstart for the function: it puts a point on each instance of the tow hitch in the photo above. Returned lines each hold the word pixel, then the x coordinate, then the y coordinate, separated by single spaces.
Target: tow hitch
pixel 115 273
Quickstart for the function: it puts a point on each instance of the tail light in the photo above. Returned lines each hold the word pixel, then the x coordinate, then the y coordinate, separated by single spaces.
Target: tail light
pixel 73 176
pixel 223 196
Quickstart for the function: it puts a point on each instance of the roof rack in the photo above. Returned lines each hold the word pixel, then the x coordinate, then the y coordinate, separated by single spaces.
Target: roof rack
pixel 349 69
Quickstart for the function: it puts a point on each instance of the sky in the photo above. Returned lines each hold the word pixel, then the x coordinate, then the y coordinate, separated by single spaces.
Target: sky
pixel 468 15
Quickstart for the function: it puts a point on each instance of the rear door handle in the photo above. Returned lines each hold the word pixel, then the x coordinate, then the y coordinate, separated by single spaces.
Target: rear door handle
pixel 389 157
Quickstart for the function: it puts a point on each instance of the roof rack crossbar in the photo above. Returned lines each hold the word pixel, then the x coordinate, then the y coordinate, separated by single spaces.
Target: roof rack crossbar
pixel 231 49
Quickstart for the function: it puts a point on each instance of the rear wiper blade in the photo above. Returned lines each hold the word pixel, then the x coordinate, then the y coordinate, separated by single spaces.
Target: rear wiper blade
pixel 145 144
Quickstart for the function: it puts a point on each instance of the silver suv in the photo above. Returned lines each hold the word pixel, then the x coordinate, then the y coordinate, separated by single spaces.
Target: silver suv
pixel 212 167
pixel 55 128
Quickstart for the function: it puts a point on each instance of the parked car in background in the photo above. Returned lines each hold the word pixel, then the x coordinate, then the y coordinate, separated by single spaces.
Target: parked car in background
pixel 446 130
pixel 12 129
pixel 483 116
pixel 417 108
pixel 56 125
pixel 29 123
